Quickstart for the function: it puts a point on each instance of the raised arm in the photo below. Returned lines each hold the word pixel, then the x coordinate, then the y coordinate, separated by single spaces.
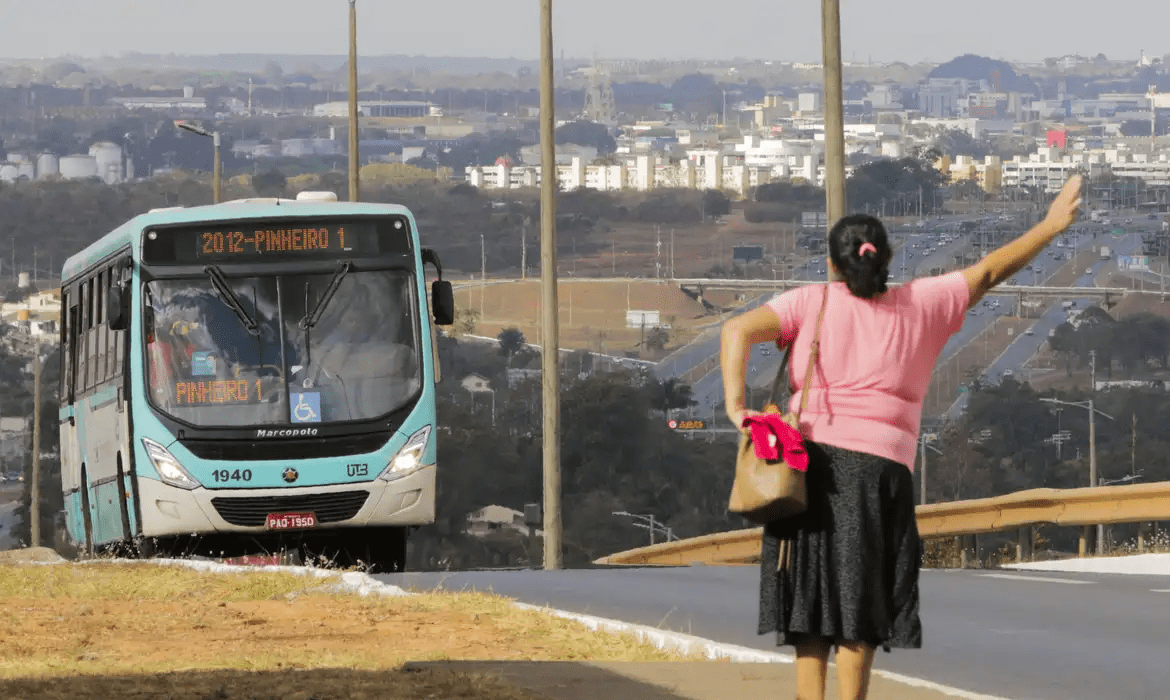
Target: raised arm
pixel 760 325
pixel 1003 262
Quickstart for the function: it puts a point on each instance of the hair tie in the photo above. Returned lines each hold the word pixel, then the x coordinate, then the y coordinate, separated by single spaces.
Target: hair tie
pixel 866 247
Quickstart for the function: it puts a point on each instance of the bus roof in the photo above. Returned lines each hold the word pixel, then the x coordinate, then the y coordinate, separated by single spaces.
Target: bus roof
pixel 129 233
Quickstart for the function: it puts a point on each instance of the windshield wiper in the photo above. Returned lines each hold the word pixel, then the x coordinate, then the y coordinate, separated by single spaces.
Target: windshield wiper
pixel 312 317
pixel 229 298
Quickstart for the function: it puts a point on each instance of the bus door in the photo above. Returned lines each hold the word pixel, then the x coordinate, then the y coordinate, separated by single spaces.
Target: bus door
pixel 70 446
pixel 117 319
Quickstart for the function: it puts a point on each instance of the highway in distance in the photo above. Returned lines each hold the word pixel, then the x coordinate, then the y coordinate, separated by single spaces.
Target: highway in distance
pixel 1011 634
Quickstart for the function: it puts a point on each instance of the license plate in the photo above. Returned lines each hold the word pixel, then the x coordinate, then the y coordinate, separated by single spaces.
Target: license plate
pixel 290 521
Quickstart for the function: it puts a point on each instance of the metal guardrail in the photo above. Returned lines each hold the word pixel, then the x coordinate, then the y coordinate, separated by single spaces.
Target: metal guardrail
pixel 715 283
pixel 1104 505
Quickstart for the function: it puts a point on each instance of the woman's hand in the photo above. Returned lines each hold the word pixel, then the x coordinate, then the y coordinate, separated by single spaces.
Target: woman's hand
pixel 1064 209
pixel 737 416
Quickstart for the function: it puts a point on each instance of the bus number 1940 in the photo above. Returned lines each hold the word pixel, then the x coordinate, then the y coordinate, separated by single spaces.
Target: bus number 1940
pixel 224 475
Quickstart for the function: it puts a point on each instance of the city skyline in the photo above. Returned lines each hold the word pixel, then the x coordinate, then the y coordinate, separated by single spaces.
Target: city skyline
pixel 746 29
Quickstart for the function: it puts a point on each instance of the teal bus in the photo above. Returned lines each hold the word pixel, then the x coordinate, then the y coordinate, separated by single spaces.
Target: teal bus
pixel 251 377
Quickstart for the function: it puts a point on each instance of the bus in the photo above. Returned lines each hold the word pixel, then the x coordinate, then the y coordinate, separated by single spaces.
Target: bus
pixel 255 376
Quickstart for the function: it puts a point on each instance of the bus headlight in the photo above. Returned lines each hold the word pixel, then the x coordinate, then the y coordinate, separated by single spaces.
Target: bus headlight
pixel 408 459
pixel 168 467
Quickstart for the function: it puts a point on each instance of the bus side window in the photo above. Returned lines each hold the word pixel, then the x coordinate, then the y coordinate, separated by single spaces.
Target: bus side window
pixel 81 335
pixel 65 375
pixel 99 328
pixel 115 337
pixel 90 350
pixel 74 340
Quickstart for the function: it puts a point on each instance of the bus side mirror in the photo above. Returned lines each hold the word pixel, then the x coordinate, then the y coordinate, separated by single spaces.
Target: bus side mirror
pixel 442 302
pixel 442 297
pixel 117 298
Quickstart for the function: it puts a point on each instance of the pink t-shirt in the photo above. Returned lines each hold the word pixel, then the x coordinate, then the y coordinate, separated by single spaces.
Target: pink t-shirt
pixel 875 360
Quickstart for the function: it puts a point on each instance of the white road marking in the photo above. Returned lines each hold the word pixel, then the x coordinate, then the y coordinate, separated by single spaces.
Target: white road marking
pixel 1160 590
pixel 1035 578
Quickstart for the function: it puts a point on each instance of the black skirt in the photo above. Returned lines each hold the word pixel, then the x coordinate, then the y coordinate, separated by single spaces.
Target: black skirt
pixel 853 557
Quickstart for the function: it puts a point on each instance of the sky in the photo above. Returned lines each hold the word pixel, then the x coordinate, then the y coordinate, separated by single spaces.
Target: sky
pixel 781 30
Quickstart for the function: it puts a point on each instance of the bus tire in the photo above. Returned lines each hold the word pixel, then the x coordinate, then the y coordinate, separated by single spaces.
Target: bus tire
pixel 86 517
pixel 385 550
pixel 123 506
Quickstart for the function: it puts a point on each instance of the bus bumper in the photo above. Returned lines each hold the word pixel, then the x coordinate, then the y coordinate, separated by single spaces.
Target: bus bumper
pixel 168 511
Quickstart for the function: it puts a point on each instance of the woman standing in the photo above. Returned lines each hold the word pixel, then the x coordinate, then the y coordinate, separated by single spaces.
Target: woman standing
pixel 850 573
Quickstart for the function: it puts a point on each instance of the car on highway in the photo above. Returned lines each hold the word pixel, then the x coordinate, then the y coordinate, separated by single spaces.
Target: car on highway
pixel 1088 270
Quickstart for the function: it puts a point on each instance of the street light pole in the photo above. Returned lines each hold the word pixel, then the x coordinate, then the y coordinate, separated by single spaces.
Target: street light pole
pixel 216 171
pixel 34 506
pixel 354 193
pixel 549 329
pixel 1093 411
pixel 217 162
pixel 922 468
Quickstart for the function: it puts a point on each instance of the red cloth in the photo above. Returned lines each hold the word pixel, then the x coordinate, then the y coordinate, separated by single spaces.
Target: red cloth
pixel 773 437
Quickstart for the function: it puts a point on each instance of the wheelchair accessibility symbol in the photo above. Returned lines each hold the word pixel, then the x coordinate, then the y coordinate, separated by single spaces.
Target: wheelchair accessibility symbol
pixel 306 407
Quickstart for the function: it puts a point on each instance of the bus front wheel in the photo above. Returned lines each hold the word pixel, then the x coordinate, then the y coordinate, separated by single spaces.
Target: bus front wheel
pixel 382 549
pixel 86 517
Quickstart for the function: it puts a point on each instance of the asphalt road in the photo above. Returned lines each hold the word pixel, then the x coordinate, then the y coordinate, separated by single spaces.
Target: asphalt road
pixel 1012 634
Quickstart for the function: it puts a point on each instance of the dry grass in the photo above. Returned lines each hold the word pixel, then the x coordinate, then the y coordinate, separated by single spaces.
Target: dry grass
pixel 134 627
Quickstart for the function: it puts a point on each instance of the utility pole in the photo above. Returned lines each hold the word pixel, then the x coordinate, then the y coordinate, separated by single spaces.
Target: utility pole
pixel 672 255
pixel 482 274
pixel 34 506
pixel 354 192
pixel 657 252
pixel 524 249
pixel 1093 433
pixel 1133 446
pixel 922 474
pixel 549 331
pixel 834 114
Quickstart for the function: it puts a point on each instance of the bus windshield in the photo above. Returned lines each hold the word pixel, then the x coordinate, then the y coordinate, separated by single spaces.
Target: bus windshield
pixel 288 349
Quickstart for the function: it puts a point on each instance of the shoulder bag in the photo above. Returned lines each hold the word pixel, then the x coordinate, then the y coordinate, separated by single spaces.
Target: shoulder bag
pixel 764 490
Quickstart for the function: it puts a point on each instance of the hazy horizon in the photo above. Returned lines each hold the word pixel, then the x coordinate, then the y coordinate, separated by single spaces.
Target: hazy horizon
pixel 615 29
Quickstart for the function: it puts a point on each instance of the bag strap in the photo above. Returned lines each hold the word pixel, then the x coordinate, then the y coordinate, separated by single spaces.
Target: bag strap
pixel 812 356
pixel 779 376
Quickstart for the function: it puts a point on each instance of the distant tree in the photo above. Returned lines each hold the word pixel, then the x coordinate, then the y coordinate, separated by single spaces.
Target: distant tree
pixel 270 183
pixel 273 74
pixel 465 320
pixel 511 341
pixel 715 203
pixel 957 142
pixel 657 338
pixel 897 185
pixel 967 189
pixel 586 133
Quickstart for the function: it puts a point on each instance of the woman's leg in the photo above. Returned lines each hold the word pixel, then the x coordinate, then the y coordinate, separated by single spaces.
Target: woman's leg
pixel 854 662
pixel 812 665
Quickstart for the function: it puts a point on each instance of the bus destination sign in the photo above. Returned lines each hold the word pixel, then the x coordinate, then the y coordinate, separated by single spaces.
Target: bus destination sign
pixel 219 392
pixel 252 241
pixel 324 238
